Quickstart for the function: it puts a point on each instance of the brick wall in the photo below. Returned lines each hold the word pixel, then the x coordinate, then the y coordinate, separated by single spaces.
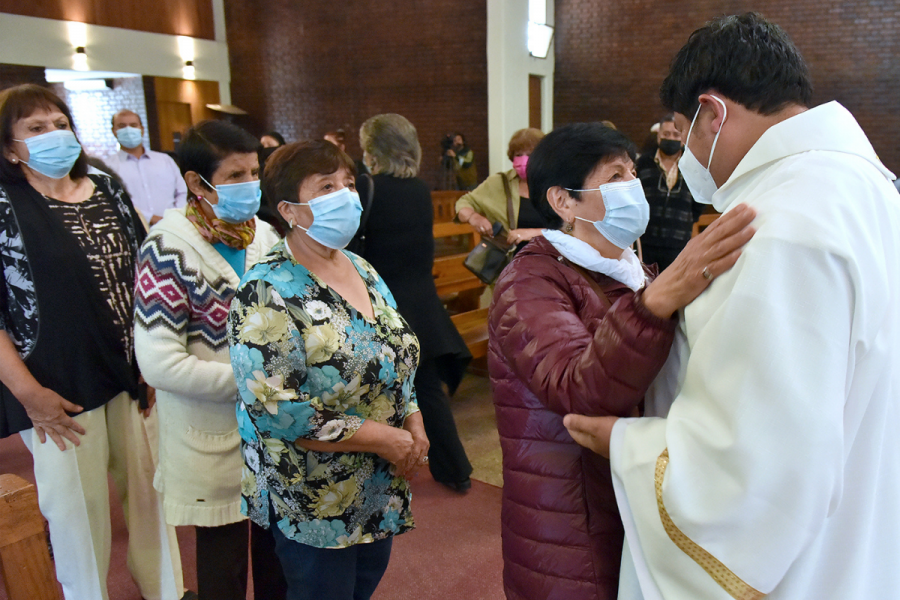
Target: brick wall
pixel 93 111
pixel 612 56
pixel 306 68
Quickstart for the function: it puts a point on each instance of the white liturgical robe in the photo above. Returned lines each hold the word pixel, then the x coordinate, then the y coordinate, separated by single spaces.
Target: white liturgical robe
pixel 776 471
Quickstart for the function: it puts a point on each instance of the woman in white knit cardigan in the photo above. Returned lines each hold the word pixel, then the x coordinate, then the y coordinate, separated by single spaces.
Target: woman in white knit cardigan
pixel 189 268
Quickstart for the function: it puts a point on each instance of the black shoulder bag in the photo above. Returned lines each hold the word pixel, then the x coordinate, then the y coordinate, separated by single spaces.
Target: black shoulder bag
pixel 488 259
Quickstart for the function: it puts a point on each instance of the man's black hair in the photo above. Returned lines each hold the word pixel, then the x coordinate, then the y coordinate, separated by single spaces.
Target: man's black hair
pixel 566 156
pixel 744 57
pixel 207 143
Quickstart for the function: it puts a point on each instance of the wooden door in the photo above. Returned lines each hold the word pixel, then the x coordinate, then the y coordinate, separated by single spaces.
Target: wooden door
pixel 534 101
pixel 174 118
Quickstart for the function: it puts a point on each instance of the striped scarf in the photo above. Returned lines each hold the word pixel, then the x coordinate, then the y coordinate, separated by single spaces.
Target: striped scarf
pixel 237 236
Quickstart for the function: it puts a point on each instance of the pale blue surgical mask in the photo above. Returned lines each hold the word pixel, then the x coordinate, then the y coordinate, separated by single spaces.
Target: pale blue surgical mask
pixel 627 212
pixel 238 202
pixel 130 137
pixel 52 154
pixel 335 218
pixel 698 178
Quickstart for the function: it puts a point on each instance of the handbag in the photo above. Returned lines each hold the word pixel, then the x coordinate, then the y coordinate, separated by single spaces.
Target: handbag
pixel 488 259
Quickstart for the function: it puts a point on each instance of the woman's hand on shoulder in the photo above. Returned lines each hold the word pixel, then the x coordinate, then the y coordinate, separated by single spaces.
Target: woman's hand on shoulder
pixel 703 259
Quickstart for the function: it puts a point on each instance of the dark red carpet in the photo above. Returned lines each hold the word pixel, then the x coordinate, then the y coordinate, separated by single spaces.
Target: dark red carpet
pixel 453 554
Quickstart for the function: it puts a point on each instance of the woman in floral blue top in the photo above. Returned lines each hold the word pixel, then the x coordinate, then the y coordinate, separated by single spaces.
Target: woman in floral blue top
pixel 324 366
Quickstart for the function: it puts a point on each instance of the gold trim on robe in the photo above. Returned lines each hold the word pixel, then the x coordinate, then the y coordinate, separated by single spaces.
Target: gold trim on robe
pixel 735 586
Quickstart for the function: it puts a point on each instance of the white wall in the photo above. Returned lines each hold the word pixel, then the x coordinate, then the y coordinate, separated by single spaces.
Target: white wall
pixel 509 65
pixel 49 43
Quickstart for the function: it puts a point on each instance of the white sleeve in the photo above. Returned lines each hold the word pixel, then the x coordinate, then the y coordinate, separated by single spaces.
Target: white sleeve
pixel 755 437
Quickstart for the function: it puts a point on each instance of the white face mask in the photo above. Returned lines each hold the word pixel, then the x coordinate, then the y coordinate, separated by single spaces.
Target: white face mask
pixel 698 177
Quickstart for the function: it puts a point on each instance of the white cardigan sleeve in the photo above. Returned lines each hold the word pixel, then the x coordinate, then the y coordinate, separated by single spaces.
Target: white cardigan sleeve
pixel 726 492
pixel 170 282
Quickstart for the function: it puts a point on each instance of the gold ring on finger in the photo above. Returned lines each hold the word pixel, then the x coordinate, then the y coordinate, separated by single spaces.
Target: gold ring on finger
pixel 706 274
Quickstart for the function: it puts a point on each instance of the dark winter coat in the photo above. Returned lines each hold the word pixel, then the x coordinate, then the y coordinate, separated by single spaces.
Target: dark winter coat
pixel 555 349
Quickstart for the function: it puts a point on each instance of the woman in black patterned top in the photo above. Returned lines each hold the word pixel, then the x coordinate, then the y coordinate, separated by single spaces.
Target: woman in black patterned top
pixel 68 243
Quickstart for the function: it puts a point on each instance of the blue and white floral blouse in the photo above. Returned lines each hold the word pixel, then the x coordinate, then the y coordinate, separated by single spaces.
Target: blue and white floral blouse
pixel 309 365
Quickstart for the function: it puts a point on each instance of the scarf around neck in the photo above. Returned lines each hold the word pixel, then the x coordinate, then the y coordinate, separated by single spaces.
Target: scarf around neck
pixel 627 270
pixel 233 235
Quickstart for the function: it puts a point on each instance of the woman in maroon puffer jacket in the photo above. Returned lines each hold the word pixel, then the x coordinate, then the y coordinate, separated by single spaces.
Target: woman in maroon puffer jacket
pixel 576 326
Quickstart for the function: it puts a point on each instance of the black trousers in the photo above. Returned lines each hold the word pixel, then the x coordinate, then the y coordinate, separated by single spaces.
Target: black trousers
pixel 222 563
pixel 446 458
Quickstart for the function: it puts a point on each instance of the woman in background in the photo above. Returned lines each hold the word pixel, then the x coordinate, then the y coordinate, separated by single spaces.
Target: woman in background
pixel 400 245
pixel 271 139
pixel 190 266
pixel 486 204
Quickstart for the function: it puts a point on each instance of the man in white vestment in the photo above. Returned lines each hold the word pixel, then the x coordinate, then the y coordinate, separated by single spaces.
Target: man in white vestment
pixel 773 468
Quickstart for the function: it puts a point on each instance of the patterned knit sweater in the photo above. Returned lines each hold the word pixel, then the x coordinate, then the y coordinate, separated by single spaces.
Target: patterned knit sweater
pixel 184 290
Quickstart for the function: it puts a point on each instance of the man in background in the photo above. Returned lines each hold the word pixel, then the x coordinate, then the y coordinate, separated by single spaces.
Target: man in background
pixel 463 161
pixel 153 179
pixel 672 208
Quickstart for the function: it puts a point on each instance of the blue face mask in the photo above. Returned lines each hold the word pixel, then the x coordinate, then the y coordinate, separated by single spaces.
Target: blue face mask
pixel 627 212
pixel 52 154
pixel 335 218
pixel 130 137
pixel 238 202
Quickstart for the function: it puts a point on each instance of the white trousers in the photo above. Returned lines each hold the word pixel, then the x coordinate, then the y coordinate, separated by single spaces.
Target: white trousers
pixel 73 494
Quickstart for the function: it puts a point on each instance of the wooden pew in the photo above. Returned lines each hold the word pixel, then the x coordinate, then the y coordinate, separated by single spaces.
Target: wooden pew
pixel 444 202
pixel 453 242
pixel 24 558
pixel 472 326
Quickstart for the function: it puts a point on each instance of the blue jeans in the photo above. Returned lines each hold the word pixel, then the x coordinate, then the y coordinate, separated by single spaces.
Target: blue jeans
pixel 349 573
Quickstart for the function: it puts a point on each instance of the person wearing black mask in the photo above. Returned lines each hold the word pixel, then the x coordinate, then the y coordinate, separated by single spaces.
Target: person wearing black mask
pixel 673 210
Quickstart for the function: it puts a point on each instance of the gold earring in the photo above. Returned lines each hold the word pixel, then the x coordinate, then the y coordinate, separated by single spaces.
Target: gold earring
pixel 291 223
pixel 569 227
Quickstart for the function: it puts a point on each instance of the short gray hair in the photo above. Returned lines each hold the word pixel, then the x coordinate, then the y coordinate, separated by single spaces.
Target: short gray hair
pixel 392 144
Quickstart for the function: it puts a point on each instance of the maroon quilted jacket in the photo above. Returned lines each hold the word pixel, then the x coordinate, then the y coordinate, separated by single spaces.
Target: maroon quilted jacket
pixel 554 349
